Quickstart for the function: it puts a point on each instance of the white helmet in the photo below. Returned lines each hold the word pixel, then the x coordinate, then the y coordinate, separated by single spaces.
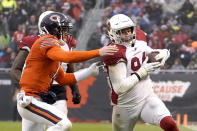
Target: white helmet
pixel 40 20
pixel 116 24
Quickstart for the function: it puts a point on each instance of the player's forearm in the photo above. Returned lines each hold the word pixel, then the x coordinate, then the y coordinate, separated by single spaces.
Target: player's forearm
pixel 118 76
pixel 72 78
pixel 126 84
pixel 148 49
pixel 15 74
pixel 58 54
pixel 18 64
pixel 67 79
pixel 83 74
pixel 73 87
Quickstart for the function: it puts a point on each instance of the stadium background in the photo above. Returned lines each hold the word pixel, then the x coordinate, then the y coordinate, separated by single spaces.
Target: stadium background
pixel 169 24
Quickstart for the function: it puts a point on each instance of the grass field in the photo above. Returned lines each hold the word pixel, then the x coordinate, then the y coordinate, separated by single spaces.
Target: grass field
pixel 16 126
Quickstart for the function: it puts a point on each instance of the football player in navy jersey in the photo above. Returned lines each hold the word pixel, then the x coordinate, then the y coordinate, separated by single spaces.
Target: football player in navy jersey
pixel 132 95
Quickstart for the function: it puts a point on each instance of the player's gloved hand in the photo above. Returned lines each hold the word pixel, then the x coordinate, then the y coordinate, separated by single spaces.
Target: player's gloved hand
pixel 23 100
pixel 147 68
pixel 164 54
pixel 76 95
pixel 94 69
pixel 82 74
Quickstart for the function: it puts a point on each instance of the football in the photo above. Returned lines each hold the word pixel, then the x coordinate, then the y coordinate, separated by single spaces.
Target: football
pixel 151 57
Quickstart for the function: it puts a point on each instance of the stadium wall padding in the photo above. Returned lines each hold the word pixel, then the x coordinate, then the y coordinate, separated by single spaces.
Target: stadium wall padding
pixel 177 90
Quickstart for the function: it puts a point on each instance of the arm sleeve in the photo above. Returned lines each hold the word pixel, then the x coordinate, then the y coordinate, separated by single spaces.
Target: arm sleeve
pixel 148 49
pixel 118 76
pixel 58 54
pixel 18 64
pixel 65 78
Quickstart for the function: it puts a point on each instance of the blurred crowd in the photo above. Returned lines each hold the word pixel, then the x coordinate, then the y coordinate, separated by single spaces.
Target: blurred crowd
pixel 169 24
pixel 19 18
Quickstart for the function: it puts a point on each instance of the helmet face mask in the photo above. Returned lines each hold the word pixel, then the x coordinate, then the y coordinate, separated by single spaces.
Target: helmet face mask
pixel 126 35
pixel 122 30
pixel 56 24
pixel 64 31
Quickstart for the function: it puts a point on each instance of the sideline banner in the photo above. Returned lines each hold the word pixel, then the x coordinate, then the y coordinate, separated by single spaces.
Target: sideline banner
pixel 178 91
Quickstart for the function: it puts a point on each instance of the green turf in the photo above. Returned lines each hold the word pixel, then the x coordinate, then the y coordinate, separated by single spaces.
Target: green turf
pixel 16 126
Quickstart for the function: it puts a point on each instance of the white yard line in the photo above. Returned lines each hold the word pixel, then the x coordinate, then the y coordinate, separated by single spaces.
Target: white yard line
pixel 193 127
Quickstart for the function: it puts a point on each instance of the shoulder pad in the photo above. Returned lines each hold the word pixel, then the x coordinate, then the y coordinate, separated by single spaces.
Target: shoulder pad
pixel 49 40
pixel 140 35
pixel 27 42
pixel 110 60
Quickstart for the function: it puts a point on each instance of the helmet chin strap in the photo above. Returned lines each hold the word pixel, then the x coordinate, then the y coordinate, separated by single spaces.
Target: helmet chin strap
pixel 61 38
pixel 132 43
pixel 44 31
pixel 62 42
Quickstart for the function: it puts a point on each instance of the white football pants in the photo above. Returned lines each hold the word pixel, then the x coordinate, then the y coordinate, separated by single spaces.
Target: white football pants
pixel 151 110
pixel 38 114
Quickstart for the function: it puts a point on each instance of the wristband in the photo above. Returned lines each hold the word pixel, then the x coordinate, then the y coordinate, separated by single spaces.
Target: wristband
pixel 137 76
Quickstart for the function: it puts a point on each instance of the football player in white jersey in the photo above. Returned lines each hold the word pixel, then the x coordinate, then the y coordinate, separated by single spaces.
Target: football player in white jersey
pixel 132 95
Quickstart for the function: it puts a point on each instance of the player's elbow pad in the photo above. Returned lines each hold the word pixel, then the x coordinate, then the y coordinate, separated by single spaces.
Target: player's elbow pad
pixel 127 84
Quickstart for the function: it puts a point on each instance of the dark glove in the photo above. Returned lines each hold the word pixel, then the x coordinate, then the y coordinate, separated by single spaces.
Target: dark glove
pixel 76 95
pixel 49 97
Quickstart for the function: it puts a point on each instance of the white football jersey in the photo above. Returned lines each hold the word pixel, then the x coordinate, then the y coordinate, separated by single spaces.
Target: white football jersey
pixel 135 56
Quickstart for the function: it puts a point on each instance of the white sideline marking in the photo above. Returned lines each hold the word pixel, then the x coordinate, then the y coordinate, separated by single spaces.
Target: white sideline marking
pixel 193 127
